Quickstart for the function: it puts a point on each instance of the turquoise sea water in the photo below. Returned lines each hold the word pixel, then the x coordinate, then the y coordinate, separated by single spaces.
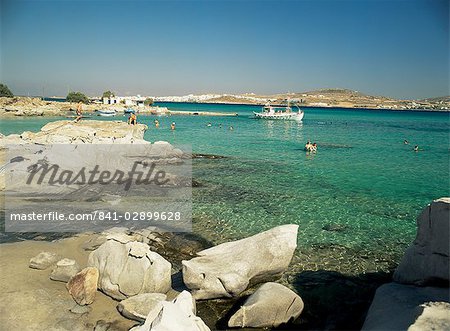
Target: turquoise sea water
pixel 355 200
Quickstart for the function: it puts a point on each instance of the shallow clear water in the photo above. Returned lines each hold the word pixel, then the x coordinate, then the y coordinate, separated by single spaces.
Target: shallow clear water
pixel 355 200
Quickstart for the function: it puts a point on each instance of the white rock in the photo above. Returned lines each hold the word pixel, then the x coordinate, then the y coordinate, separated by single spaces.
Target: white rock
pixel 226 270
pixel 271 305
pixel 85 131
pixel 137 307
pixel 128 269
pixel 435 316
pixel 427 259
pixel 43 260
pixel 64 270
pixel 176 315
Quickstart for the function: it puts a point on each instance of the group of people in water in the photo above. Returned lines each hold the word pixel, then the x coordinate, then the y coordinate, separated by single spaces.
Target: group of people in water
pixel 220 126
pixel 310 147
pixel 132 120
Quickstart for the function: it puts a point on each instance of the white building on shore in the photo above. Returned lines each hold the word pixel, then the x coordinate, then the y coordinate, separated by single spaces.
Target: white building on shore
pixel 128 101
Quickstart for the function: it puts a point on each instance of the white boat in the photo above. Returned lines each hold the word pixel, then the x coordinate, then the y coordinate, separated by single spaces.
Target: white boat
pixel 280 113
pixel 106 112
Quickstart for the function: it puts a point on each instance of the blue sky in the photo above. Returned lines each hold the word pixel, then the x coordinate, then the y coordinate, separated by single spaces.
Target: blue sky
pixel 395 48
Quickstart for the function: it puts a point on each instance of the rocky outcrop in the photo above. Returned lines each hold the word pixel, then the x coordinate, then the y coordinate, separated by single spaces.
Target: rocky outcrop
pixel 427 260
pixel 64 270
pixel 176 315
pixel 129 268
pixel 22 106
pixel 271 305
pixel 137 307
pixel 85 131
pixel 228 269
pixel 26 106
pixel 43 260
pixel 396 306
pixel 83 286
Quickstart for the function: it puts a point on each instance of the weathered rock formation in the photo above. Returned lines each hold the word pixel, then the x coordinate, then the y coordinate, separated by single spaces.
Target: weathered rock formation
pixel 129 268
pixel 427 260
pixel 85 131
pixel 83 286
pixel 64 270
pixel 22 106
pixel 137 307
pixel 271 305
pixel 176 315
pixel 43 260
pixel 228 269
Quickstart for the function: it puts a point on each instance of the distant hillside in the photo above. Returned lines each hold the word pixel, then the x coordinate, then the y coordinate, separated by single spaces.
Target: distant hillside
pixel 329 97
pixel 437 99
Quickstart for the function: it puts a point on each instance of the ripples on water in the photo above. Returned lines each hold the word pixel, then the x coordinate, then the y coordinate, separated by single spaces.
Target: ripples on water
pixel 355 201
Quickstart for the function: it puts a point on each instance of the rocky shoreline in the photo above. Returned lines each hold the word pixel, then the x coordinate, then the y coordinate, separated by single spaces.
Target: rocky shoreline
pixel 30 107
pixel 145 279
pixel 416 306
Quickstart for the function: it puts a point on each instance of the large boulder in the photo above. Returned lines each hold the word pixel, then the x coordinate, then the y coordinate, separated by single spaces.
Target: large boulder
pixel 176 315
pixel 228 269
pixel 397 307
pixel 427 260
pixel 128 268
pixel 271 305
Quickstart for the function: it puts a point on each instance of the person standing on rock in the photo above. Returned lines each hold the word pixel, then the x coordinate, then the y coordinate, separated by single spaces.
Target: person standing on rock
pixel 133 119
pixel 79 112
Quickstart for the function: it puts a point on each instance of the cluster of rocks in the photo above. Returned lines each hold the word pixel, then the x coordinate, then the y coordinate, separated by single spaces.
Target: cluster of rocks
pixel 419 296
pixel 86 131
pixel 20 106
pixel 123 266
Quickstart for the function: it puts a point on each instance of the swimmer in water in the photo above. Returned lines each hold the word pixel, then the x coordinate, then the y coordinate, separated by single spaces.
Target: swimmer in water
pixel 308 146
pixel 231 128
pixel 156 124
pixel 172 126
pixel 406 142
pixel 416 148
pixel 209 125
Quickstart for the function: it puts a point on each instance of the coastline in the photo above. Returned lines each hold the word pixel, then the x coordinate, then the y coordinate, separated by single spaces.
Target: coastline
pixel 309 106
pixel 34 107
pixel 300 276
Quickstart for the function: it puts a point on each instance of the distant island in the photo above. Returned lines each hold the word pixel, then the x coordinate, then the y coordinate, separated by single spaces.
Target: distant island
pixel 337 97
